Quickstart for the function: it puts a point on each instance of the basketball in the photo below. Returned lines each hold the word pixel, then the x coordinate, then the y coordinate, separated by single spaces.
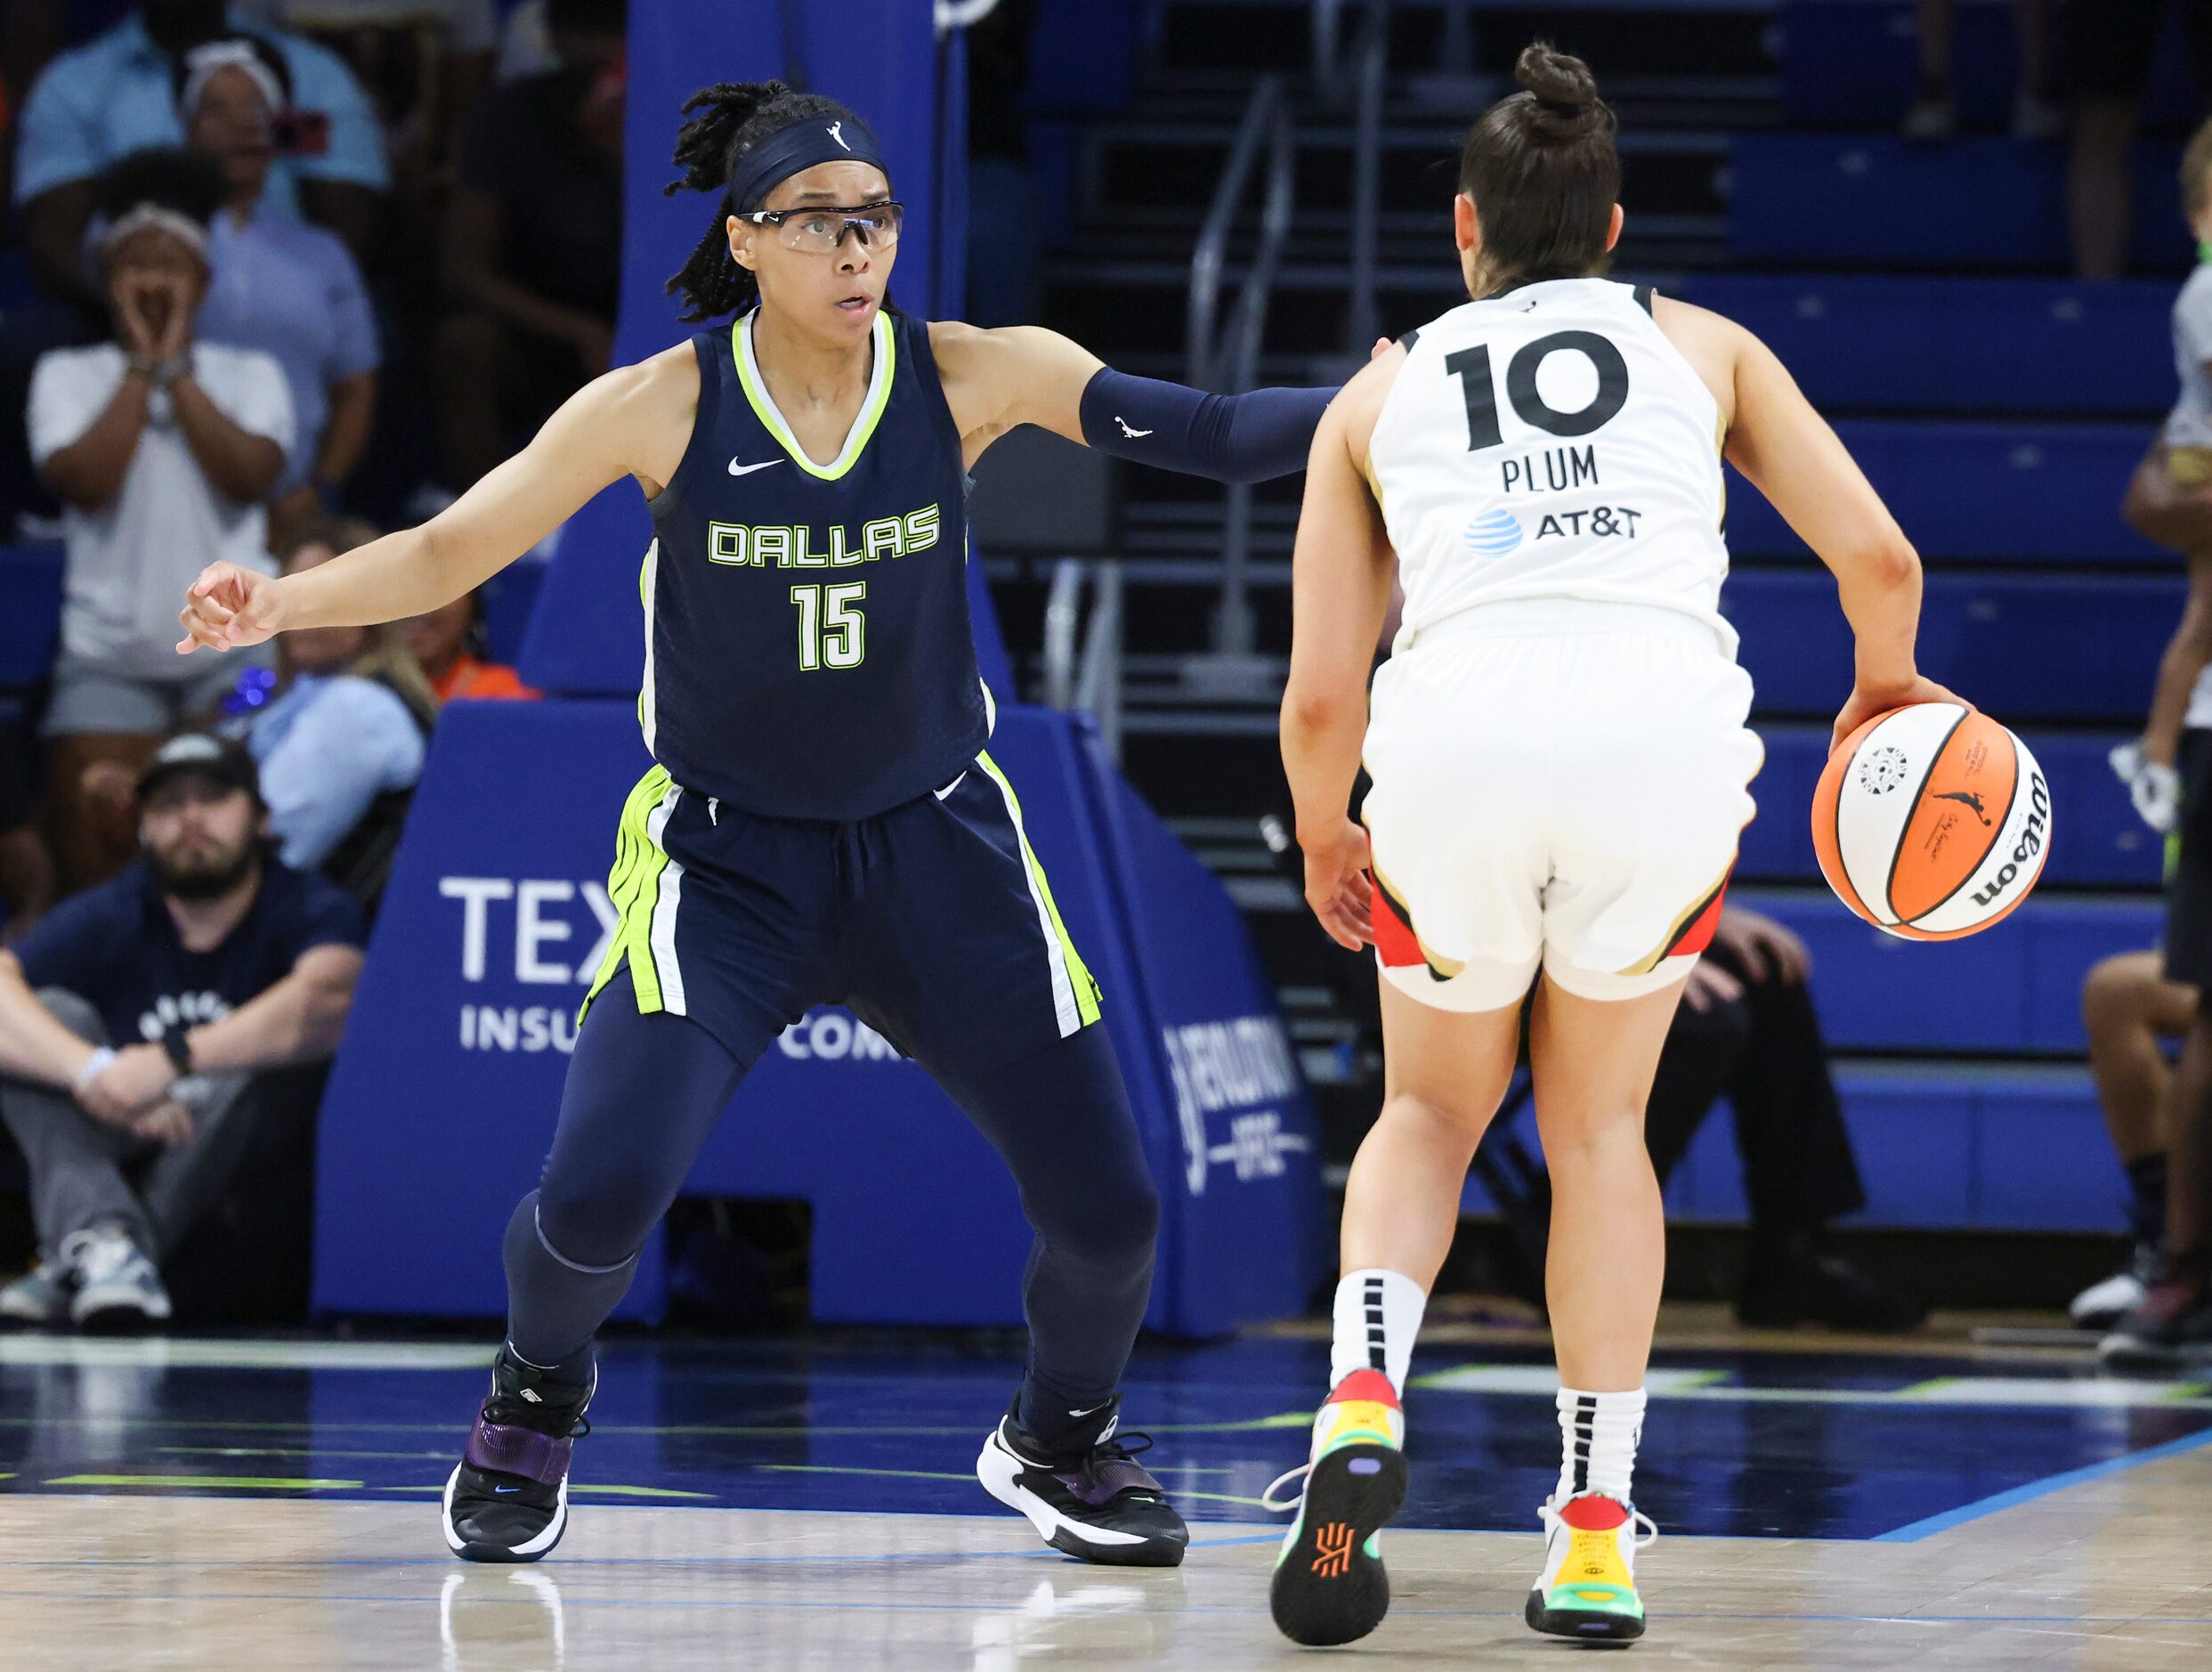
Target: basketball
pixel 1931 822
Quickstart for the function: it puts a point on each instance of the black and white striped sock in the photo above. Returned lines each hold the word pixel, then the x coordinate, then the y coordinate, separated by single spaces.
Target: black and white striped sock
pixel 1598 1436
pixel 1378 1314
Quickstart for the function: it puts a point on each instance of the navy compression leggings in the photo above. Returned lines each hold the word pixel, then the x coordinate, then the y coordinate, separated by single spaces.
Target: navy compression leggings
pixel 643 1092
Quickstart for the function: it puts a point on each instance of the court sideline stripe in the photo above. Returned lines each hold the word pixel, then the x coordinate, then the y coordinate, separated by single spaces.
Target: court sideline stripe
pixel 1912 1532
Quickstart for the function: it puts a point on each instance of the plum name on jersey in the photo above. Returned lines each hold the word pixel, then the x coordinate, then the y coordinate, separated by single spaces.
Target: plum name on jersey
pixel 1553 471
pixel 796 546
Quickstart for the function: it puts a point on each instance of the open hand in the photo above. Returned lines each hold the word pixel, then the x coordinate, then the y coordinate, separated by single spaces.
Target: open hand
pixel 229 607
pixel 1337 886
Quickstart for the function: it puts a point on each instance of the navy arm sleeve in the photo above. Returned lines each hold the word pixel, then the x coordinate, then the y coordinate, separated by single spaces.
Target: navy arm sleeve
pixel 1247 437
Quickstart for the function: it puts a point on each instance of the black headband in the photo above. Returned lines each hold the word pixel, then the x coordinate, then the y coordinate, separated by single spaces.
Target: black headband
pixel 838 138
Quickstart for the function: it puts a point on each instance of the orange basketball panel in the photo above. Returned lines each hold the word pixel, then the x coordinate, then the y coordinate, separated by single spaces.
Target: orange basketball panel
pixel 1963 804
pixel 1826 794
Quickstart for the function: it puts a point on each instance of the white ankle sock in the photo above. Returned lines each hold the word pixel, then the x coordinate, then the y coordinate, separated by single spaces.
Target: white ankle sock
pixel 1378 1314
pixel 1598 1435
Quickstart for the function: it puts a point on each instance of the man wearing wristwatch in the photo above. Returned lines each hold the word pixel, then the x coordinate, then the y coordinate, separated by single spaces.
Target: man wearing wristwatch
pixel 148 1029
pixel 163 449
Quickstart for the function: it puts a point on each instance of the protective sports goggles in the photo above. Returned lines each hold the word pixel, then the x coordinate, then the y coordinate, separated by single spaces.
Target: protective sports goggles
pixel 820 230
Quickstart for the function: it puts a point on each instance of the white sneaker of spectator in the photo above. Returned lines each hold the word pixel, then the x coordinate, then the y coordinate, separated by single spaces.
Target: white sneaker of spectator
pixel 2103 1304
pixel 41 1296
pixel 117 1284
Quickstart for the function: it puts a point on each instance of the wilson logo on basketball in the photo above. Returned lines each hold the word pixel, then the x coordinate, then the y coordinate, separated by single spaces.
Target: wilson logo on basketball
pixel 1332 1550
pixel 2029 847
pixel 1932 821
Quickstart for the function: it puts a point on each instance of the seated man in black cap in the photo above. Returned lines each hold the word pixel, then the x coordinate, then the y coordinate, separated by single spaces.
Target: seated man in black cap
pixel 144 1027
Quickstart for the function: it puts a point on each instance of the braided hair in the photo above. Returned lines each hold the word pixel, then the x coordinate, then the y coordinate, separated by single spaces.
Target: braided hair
pixel 732 117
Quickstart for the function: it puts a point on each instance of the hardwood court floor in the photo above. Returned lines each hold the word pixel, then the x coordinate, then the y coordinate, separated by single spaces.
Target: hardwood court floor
pixel 268 1506
pixel 2109 1573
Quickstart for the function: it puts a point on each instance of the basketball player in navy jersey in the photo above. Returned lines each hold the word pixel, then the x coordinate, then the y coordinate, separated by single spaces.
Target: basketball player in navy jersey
pixel 824 821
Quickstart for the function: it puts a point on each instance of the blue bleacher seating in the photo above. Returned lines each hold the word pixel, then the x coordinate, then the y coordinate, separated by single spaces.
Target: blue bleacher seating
pixel 1947 1147
pixel 1940 1146
pixel 1983 492
pixel 2023 646
pixel 2013 988
pixel 1860 201
pixel 1974 346
pixel 1849 63
pixel 2097 842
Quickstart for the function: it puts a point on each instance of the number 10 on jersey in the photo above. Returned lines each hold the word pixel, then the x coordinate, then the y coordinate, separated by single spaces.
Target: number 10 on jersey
pixel 833 633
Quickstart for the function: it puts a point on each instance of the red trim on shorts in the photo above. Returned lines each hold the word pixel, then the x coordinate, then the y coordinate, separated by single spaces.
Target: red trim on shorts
pixel 1697 933
pixel 1394 938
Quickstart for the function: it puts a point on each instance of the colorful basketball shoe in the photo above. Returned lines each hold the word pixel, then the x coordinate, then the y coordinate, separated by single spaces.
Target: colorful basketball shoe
pixel 1329 1584
pixel 1587 1589
pixel 1088 1497
pixel 508 1499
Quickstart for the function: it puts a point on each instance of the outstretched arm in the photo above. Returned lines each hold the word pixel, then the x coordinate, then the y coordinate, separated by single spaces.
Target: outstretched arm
pixel 1340 574
pixel 1025 374
pixel 633 421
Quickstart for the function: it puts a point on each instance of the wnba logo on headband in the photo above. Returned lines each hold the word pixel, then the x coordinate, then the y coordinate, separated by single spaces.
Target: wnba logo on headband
pixel 788 151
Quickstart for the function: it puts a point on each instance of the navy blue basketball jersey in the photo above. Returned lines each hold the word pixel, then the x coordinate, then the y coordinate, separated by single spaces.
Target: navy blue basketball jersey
pixel 807 647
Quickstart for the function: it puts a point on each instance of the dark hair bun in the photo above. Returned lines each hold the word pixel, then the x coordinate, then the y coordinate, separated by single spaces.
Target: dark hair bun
pixel 1563 88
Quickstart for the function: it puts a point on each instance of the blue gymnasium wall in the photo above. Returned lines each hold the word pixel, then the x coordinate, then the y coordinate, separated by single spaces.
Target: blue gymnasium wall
pixel 443 1100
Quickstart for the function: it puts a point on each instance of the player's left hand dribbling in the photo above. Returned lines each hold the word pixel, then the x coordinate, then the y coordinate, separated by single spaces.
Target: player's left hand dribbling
pixel 229 608
pixel 1337 887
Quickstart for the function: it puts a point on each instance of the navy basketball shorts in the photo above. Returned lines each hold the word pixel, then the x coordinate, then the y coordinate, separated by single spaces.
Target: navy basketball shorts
pixel 933 922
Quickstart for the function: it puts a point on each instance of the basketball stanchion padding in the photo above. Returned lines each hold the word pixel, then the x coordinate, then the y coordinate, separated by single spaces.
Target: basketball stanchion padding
pixel 1932 821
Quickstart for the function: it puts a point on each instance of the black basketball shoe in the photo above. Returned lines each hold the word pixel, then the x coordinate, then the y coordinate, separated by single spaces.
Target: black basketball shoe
pixel 509 1496
pixel 1090 1497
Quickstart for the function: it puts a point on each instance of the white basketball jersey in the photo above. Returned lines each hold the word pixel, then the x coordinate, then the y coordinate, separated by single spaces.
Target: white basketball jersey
pixel 1550 441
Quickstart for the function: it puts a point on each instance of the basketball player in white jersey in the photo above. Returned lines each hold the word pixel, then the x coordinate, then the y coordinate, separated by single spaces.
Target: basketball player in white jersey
pixel 1560 767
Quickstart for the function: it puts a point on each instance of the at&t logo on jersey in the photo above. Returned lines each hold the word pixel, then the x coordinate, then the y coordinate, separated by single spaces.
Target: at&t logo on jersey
pixel 1233 1067
pixel 1493 534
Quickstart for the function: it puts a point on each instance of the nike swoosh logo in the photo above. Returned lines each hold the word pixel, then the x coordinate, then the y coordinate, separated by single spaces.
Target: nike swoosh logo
pixel 1095 1409
pixel 506 1489
pixel 737 469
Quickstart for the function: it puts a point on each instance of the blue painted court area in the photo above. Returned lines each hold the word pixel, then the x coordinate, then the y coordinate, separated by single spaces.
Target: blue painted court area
pixel 1830 1445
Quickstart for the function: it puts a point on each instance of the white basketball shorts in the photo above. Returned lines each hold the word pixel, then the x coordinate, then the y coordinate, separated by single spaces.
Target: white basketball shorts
pixel 1556 783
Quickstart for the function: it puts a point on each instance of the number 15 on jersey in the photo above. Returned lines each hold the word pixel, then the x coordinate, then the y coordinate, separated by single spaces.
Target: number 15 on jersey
pixel 833 633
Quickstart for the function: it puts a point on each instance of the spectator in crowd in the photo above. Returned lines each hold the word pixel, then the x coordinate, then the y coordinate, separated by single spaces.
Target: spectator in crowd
pixel 1747 1027
pixel 449 645
pixel 533 245
pixel 116 95
pixel 2110 48
pixel 345 720
pixel 1934 115
pixel 163 449
pixel 2128 1010
pixel 465 39
pixel 140 1028
pixel 2168 774
pixel 277 284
